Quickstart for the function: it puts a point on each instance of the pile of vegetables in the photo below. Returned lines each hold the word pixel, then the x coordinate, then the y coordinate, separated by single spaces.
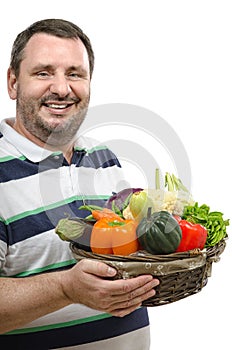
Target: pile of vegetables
pixel 159 221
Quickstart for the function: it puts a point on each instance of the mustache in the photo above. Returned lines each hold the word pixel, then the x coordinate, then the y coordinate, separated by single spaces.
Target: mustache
pixel 54 97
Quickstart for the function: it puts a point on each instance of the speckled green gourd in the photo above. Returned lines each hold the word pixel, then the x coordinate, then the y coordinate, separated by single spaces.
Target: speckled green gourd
pixel 159 233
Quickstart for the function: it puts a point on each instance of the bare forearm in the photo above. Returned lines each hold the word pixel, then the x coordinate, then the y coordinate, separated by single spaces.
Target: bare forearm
pixel 25 299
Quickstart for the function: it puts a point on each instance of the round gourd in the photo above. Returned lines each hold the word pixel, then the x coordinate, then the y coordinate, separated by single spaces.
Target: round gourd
pixel 159 233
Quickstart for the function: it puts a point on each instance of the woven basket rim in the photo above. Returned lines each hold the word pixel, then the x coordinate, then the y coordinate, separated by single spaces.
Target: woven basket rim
pixel 140 255
pixel 210 253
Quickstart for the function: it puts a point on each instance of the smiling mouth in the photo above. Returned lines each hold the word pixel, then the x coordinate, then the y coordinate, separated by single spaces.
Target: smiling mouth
pixel 55 103
pixel 57 106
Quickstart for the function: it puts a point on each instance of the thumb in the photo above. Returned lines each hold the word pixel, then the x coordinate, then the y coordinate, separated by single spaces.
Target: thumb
pixel 99 268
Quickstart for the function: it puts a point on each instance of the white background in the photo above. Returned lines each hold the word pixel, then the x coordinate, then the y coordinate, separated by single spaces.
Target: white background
pixel 174 58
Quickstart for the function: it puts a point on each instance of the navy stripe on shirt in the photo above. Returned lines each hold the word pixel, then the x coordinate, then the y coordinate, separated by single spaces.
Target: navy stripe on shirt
pixel 17 168
pixel 27 227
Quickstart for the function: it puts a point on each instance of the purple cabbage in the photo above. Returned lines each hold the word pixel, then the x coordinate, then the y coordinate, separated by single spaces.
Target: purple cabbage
pixel 120 200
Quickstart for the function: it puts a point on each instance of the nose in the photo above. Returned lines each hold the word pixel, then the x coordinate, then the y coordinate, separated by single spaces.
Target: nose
pixel 60 86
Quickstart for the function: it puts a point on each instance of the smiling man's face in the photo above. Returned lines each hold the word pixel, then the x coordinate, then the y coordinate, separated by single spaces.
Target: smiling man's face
pixel 52 90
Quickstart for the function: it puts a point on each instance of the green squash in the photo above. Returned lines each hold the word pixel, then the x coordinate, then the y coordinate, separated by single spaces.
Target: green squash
pixel 159 233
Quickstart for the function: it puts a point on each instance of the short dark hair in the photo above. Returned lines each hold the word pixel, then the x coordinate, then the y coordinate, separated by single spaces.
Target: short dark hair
pixel 57 27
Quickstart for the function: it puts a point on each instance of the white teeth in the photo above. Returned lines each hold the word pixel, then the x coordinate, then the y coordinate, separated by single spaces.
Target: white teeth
pixel 56 106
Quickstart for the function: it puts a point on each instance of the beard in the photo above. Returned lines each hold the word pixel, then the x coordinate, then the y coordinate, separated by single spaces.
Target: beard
pixel 52 134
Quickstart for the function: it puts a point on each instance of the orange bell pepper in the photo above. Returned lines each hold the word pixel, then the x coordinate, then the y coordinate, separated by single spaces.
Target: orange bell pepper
pixel 114 236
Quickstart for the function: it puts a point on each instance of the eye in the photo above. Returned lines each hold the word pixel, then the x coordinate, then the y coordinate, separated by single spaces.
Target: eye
pixel 43 74
pixel 74 76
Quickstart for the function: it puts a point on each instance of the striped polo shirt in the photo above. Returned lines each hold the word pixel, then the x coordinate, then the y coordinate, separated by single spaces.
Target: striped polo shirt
pixel 38 188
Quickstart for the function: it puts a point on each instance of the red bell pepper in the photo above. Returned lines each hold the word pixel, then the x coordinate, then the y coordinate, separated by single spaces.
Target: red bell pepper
pixel 193 235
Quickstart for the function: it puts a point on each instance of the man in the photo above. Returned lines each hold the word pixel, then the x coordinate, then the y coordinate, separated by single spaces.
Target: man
pixel 47 301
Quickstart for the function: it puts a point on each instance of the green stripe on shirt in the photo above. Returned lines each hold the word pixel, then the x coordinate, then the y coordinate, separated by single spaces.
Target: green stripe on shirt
pixel 46 268
pixel 52 206
pixel 59 325
pixel 9 158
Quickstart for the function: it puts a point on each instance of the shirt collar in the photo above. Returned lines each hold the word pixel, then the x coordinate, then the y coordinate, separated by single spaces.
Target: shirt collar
pixel 27 148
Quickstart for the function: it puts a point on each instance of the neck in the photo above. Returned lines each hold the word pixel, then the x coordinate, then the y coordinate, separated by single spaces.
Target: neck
pixel 66 149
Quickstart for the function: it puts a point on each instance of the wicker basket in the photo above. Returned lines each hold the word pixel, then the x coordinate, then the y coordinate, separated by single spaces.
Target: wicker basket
pixel 180 274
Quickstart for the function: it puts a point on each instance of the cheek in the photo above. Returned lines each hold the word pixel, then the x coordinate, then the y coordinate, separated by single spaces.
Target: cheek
pixel 32 89
pixel 81 90
pixel 36 91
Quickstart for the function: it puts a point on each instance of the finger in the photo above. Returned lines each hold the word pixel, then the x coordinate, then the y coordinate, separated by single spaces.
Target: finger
pixel 98 268
pixel 142 291
pixel 133 298
pixel 124 287
pixel 122 302
pixel 124 312
pixel 124 308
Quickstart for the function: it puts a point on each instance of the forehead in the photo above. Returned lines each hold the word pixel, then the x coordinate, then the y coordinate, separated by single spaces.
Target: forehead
pixel 45 48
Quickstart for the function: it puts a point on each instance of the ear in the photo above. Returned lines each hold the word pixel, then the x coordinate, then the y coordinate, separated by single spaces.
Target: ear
pixel 11 84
